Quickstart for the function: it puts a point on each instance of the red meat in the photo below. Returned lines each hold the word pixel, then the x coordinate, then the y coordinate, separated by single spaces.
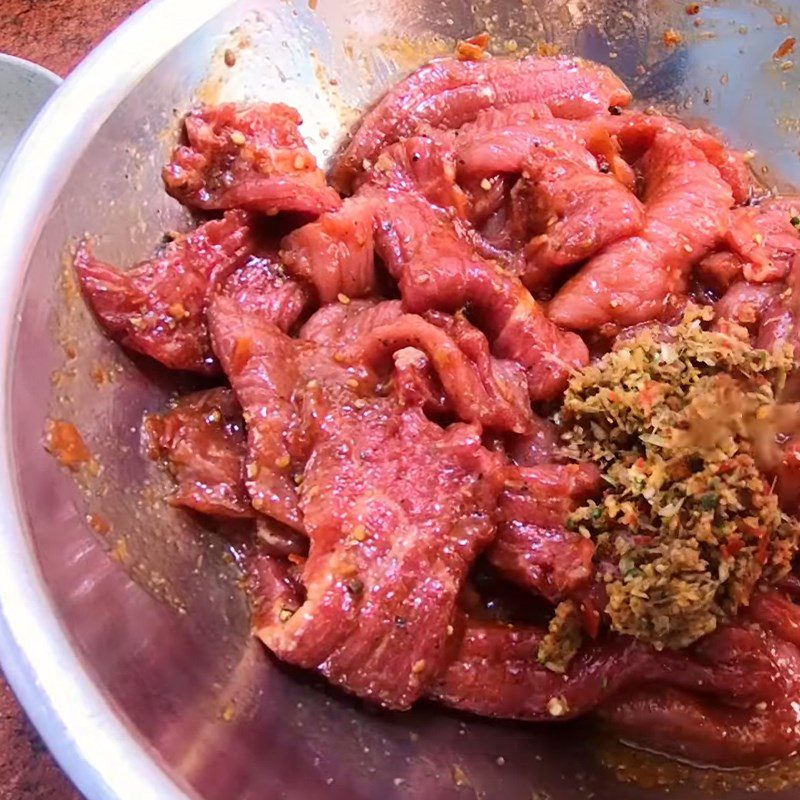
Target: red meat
pixel 731 686
pixel 396 510
pixel 343 324
pixel 745 304
pixel 786 471
pixel 158 307
pixel 533 548
pixel 571 212
pixel 779 321
pixel 250 157
pixel 774 612
pixel 437 267
pixel 398 552
pixel 262 287
pixel 765 240
pixel 745 725
pixel 687 211
pixel 269 373
pixel 477 386
pixel 550 561
pixel 202 441
pixel 446 93
pixel 492 145
pixel 636 132
pixel 547 493
pixel 678 723
pixel 425 164
pixel 261 364
pixel 414 383
pixel 719 271
pixel 335 253
pixel 486 203
pixel 539 446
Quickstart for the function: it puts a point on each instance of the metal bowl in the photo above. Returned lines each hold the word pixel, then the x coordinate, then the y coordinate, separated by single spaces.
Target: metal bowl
pixel 24 89
pixel 124 633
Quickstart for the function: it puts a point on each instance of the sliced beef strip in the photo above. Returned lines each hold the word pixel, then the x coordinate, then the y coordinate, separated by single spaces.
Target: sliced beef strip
pixel 262 287
pixel 718 271
pixel 335 254
pixel 732 727
pixel 269 371
pixel 636 131
pixel 379 607
pixel 447 93
pixel 159 306
pixel 569 213
pixel 735 687
pixel 496 144
pixel 761 244
pixel 533 548
pixel 479 388
pixel 202 441
pixel 779 321
pixel 342 324
pixel 539 446
pixel 437 268
pixel 415 383
pixel 687 212
pixel 745 304
pixel 247 156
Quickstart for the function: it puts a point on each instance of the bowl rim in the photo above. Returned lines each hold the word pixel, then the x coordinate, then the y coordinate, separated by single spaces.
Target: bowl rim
pixel 32 67
pixel 79 724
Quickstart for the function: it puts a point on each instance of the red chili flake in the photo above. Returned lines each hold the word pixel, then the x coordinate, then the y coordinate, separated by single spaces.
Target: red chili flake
pixel 786 48
pixel 241 354
pixel 763 537
pixel 473 49
pixel 99 523
pixel 230 58
pixel 547 48
pixel 733 546
pixel 692 9
pixel 65 442
pixel 591 619
pixel 631 519
pixel 672 38
pixel 649 394
pixel 761 553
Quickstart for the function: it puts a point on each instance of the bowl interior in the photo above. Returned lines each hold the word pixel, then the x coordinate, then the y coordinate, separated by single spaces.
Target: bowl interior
pixel 151 607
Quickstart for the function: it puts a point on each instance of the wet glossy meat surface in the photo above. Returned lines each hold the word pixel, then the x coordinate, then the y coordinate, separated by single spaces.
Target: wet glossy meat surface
pixel 201 440
pixel 389 355
pixel 249 157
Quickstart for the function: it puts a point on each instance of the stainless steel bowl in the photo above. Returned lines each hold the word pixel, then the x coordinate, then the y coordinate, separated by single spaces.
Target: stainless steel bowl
pixel 24 89
pixel 129 649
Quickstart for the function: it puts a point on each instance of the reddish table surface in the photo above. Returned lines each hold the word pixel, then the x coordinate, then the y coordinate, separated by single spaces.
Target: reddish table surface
pixel 56 34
